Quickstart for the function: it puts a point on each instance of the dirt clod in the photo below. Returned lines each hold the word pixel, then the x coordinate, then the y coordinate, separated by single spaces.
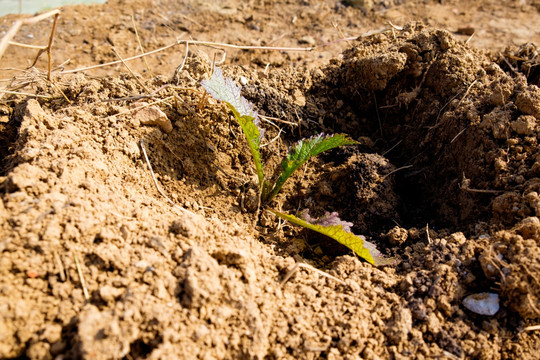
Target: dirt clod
pixel 152 115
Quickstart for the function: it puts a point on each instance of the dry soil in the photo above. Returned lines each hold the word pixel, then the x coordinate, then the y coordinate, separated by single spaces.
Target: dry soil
pixel 442 96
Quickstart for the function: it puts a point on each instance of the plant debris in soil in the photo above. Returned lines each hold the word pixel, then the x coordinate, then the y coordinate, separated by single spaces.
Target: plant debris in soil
pixel 97 264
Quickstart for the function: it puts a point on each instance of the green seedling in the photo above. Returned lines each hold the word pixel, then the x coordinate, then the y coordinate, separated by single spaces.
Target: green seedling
pixel 224 89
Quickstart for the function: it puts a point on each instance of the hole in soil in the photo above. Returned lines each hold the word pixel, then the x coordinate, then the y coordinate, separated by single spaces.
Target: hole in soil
pixel 97 261
pixel 140 349
pixel 417 102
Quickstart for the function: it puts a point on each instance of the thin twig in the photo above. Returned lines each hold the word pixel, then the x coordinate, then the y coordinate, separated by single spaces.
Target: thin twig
pixel 189 42
pixel 532 328
pixel 143 148
pixel 81 277
pixel 274 139
pixel 60 267
pixel 131 72
pixel 118 61
pixel 392 148
pixel 268 118
pixel 396 27
pixel 138 97
pixel 181 67
pixel 465 185
pixel 459 133
pixel 53 84
pixel 28 46
pixel 443 108
pixel 246 47
pixel 343 37
pixel 47 49
pixel 189 19
pixel 49 46
pixel 470 37
pixel 509 65
pixel 140 45
pixel 25 94
pixel 276 39
pixel 452 99
pixel 396 170
pixel 5 41
pixel 466 92
pixel 307 266
pixel 280 130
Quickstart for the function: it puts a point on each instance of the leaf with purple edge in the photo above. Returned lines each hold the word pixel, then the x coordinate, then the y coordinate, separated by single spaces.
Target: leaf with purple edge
pixel 224 89
pixel 332 226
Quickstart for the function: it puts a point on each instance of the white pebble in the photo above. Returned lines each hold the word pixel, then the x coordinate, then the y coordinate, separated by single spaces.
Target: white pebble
pixel 482 303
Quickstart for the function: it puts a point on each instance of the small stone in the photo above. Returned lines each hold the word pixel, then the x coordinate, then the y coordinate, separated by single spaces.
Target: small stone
pixel 188 226
pixel 152 115
pixel 482 303
pixel 308 40
pixel 433 323
pixel 397 235
pixel 110 293
pixel 34 110
pixel 466 30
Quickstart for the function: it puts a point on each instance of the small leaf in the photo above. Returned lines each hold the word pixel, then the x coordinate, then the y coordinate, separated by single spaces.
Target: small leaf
pixel 335 228
pixel 302 152
pixel 224 89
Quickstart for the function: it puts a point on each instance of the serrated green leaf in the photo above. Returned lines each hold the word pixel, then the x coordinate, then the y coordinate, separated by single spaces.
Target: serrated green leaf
pixel 302 152
pixel 358 244
pixel 224 89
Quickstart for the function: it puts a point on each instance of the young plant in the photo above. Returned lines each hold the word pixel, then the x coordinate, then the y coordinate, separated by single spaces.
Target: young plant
pixel 226 90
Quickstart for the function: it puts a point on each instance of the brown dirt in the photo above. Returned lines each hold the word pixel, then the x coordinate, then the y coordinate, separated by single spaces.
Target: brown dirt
pixel 446 179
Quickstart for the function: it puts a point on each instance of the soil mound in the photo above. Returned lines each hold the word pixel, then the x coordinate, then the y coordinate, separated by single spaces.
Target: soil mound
pixel 97 264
